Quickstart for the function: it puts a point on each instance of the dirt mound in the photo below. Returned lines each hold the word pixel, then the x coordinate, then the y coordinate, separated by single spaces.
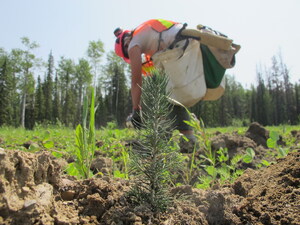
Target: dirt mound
pixel 233 142
pixel 271 195
pixel 27 187
pixel 237 144
pixel 34 190
pixel 258 134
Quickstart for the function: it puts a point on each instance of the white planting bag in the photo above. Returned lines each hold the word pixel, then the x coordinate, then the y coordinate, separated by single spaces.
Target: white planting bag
pixel 213 94
pixel 184 69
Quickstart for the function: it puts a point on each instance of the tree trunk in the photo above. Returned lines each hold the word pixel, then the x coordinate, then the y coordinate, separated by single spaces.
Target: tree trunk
pixel 23 110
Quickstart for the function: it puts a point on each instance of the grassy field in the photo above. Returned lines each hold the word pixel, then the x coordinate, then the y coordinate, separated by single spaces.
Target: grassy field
pixel 63 138
pixel 116 143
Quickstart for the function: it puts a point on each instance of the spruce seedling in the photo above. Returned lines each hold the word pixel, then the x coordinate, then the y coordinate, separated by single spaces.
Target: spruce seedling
pixel 154 162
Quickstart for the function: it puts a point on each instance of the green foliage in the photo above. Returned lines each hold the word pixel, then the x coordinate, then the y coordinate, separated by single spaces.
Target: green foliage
pixel 274 100
pixel 48 91
pixel 95 50
pixel 85 142
pixel 46 141
pixel 249 156
pixel 265 163
pixel 120 156
pixel 214 166
pixel 113 145
pixel 217 165
pixel 6 91
pixel 117 89
pixel 220 170
pixel 40 103
pixel 272 143
pixel 154 163
pixel 65 71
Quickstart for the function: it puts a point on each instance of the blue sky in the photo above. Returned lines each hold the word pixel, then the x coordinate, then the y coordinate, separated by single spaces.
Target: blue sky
pixel 262 27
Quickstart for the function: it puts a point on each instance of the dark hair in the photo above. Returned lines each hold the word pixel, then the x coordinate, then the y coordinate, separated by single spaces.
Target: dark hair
pixel 125 51
pixel 117 31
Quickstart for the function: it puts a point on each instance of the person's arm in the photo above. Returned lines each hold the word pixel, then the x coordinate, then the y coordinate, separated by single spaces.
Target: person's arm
pixel 136 76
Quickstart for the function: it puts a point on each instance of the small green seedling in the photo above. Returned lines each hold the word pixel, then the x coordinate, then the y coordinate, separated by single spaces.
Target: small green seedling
pixel 249 156
pixel 85 142
pixel 272 143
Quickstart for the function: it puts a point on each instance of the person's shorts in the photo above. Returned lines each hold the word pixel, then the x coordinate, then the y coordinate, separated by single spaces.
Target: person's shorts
pixel 179 114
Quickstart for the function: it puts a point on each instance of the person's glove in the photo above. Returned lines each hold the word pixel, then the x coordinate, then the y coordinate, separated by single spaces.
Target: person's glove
pixel 134 119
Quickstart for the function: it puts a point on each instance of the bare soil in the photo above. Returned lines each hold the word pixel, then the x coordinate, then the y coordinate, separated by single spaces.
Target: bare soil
pixel 34 190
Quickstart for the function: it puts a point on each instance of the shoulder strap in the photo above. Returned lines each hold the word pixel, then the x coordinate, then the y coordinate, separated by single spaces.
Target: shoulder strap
pixel 180 37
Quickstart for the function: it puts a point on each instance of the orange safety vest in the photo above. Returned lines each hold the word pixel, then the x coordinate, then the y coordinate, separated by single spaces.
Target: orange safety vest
pixel 159 25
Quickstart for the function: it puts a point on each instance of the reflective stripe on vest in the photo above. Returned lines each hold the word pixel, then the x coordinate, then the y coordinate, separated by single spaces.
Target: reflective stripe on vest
pixel 147 66
pixel 158 25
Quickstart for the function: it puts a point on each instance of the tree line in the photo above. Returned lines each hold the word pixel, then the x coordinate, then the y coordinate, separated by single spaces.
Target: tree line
pixel 36 92
pixel 274 100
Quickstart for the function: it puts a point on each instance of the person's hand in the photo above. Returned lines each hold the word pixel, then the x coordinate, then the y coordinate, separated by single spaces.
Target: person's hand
pixel 134 119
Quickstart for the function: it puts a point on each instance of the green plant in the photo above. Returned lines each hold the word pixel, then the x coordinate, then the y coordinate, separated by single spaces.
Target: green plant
pixel 85 142
pixel 113 145
pixel 123 159
pixel 249 156
pixel 46 141
pixel 272 143
pixel 221 170
pixel 216 164
pixel 154 162
pixel 192 166
pixel 263 163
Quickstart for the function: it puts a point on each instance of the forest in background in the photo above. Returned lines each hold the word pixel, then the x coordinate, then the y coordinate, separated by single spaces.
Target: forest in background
pixel 33 91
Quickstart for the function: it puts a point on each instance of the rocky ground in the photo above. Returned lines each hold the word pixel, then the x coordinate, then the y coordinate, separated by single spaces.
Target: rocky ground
pixel 33 190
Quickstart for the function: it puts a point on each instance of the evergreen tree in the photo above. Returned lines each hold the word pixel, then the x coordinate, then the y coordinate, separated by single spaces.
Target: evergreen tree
pixel 66 70
pixel 290 106
pixel 224 106
pixel 248 111
pixel 101 112
pixel 15 67
pixel 208 111
pixel 56 101
pixel 253 105
pixel 263 106
pixel 237 99
pixel 30 111
pixel 39 102
pixel 48 90
pixel 6 110
pixel 279 114
pixel 154 163
pixel 120 96
pixel 83 79
pixel 27 64
pixel 117 90
pixel 297 100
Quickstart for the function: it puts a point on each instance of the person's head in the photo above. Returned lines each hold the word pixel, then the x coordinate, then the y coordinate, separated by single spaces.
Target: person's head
pixel 122 42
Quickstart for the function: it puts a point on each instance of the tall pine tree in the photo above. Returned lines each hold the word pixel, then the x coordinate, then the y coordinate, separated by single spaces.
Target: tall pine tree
pixel 39 102
pixel 48 90
pixel 6 110
pixel 57 101
pixel 118 91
